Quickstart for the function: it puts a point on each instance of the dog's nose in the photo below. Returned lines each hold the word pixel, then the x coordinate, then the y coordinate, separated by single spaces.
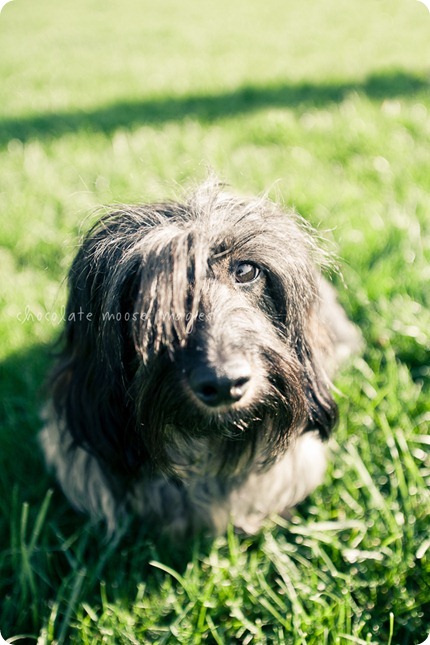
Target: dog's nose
pixel 220 387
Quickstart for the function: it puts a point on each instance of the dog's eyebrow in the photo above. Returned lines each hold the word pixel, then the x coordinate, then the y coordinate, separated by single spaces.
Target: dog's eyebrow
pixel 221 254
pixel 233 246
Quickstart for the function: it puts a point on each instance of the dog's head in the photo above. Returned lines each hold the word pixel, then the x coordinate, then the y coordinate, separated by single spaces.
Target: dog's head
pixel 194 321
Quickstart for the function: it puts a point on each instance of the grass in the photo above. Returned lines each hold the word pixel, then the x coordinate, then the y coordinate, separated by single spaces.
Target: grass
pixel 325 103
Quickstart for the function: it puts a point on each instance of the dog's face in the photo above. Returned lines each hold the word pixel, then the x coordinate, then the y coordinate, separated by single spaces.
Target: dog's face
pixel 200 323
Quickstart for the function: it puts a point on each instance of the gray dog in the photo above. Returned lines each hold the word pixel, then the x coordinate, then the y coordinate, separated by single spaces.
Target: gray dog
pixel 194 383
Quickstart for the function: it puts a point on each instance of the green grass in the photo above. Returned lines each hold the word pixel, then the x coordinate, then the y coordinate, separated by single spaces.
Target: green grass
pixel 327 104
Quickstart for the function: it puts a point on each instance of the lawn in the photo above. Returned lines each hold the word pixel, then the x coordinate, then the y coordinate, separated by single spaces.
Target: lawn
pixel 326 105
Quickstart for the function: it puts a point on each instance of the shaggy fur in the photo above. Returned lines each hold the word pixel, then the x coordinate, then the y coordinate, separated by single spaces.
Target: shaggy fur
pixel 194 383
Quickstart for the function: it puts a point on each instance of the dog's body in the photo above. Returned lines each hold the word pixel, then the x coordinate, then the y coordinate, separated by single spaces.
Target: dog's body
pixel 194 385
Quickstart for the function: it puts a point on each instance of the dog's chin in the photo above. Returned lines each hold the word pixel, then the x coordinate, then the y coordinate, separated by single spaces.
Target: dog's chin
pixel 221 422
pixel 223 440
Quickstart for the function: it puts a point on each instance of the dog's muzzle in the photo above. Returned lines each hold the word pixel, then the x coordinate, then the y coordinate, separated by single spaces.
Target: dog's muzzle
pixel 220 386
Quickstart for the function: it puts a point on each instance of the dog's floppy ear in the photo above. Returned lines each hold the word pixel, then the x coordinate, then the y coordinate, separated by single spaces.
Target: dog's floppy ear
pixel 316 353
pixel 330 339
pixel 90 384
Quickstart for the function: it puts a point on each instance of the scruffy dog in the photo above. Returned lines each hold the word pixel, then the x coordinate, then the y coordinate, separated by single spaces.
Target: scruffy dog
pixel 194 384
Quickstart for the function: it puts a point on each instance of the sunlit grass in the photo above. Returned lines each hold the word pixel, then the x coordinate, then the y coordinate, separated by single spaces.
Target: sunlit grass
pixel 327 106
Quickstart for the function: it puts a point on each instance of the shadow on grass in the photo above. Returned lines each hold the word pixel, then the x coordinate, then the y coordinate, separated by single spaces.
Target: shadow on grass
pixel 208 108
pixel 21 377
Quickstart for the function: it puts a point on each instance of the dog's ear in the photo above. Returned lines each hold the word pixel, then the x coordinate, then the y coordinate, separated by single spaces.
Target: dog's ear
pixel 316 353
pixel 90 384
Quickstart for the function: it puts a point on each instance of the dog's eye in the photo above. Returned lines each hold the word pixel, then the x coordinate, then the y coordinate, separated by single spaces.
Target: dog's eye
pixel 246 272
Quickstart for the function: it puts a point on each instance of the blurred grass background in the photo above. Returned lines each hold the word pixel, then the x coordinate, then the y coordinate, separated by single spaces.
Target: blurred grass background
pixel 326 104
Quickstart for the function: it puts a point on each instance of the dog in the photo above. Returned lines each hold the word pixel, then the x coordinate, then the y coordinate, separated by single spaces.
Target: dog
pixel 194 384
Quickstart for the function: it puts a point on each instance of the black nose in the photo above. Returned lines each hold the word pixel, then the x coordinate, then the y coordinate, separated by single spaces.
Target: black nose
pixel 216 387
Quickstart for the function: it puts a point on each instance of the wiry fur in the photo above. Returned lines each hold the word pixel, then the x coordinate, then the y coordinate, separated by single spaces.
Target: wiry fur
pixel 154 301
